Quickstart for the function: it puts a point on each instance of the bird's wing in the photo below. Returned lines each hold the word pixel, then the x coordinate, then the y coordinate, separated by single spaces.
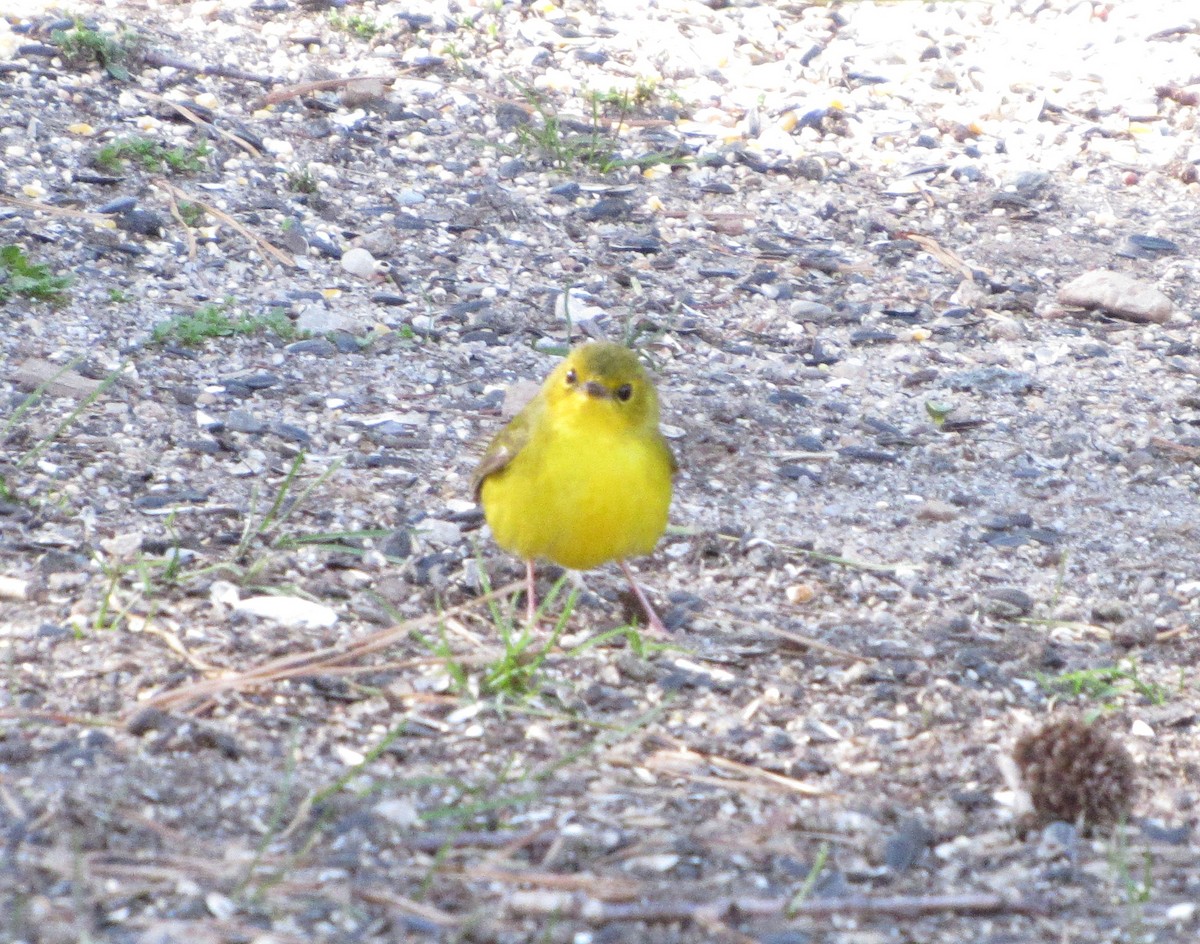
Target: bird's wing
pixel 670 456
pixel 506 445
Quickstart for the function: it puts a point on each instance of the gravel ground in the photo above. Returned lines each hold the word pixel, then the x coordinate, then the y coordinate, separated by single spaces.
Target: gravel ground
pixel 936 489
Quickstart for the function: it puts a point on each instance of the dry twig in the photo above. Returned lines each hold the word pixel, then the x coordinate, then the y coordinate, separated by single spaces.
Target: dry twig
pixel 310 663
pixel 263 246
pixel 575 905
pixel 199 122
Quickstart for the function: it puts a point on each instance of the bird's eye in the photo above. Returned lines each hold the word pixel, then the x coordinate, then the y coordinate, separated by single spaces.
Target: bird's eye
pixel 625 391
pixel 572 378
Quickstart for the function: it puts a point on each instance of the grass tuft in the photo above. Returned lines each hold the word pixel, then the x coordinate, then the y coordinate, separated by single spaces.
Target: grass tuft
pixel 214 321
pixel 19 276
pixel 152 155
pixel 82 44
pixel 1106 684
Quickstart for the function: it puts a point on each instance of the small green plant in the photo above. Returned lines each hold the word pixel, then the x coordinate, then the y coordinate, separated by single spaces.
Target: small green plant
pixel 152 155
pixel 301 180
pixel 810 880
pixel 355 24
pixel 1135 890
pixel 214 321
pixel 625 101
pixel 550 139
pixel 192 214
pixel 118 296
pixel 82 44
pixel 189 160
pixel 517 673
pixel 146 574
pixel 19 276
pixel 1105 684
pixel 457 55
pixel 597 145
pixel 269 528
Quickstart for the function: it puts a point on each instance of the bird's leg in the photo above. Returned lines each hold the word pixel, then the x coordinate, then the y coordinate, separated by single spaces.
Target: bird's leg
pixel 655 623
pixel 530 594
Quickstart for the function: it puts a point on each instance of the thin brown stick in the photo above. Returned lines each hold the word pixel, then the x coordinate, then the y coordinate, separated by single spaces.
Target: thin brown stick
pixel 1176 450
pixel 468 839
pixel 100 219
pixel 864 906
pixel 604 889
pixel 264 247
pixel 56 717
pixel 681 752
pixel 805 641
pixel 199 122
pixel 884 570
pixel 381 896
pixel 175 644
pixel 312 662
pixel 187 230
pixel 155 58
pixel 321 85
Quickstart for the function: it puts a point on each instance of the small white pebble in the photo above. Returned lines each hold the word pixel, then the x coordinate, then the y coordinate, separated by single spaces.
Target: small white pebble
pixel 348 756
pixel 1140 729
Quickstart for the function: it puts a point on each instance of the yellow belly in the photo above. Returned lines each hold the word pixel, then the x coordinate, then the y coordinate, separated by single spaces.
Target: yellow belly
pixel 581 500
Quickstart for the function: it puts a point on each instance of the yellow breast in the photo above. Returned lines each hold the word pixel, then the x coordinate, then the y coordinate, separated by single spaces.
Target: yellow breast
pixel 579 497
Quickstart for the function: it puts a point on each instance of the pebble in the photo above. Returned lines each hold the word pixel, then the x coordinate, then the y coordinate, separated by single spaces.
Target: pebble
pixel 318 347
pixel 398 812
pixel 13 588
pixel 1139 728
pixel 608 208
pixel 359 262
pixel 241 421
pixel 935 510
pixel 141 222
pixel 576 306
pixel 1059 839
pixel 1171 835
pixel 991 380
pixel 1008 602
pixel 904 847
pixel 1117 295
pixel 288 611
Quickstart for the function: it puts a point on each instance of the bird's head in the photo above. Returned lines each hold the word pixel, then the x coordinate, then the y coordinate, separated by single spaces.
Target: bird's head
pixel 603 382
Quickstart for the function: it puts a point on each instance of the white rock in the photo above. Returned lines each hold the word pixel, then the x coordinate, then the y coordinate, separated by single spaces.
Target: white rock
pixel 13 588
pixel 123 546
pixel 1118 295
pixel 219 906
pixel 348 755
pixel 398 812
pixel 662 862
pixel 278 147
pixel 289 611
pixel 359 262
pixel 317 319
pixel 576 306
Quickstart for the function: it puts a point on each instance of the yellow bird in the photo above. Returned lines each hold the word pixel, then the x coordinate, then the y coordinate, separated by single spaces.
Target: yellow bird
pixel 581 476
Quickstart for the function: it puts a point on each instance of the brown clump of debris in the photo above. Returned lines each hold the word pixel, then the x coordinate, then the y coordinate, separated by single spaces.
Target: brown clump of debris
pixel 1075 771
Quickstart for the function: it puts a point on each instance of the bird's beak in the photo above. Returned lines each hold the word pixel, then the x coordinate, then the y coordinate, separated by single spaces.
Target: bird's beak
pixel 593 388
